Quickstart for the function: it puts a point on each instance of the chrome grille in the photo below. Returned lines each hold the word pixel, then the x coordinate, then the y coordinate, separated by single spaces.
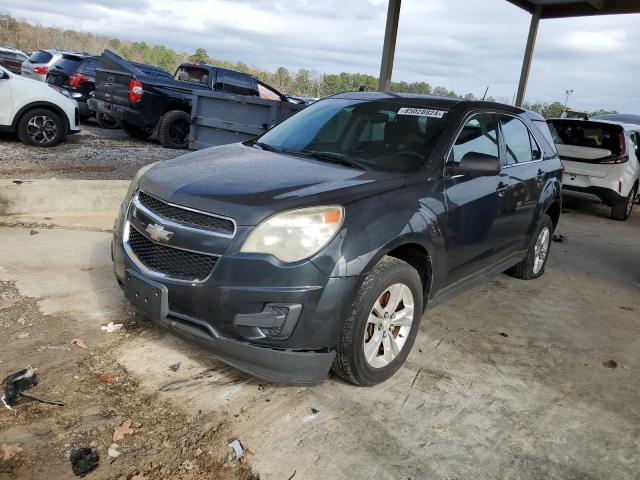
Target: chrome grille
pixel 170 261
pixel 186 217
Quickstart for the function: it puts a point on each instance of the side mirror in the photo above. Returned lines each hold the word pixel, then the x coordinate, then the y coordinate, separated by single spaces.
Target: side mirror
pixel 475 164
pixel 536 154
pixel 3 76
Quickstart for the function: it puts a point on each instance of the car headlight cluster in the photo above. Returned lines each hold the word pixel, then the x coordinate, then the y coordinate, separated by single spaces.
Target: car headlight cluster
pixel 295 234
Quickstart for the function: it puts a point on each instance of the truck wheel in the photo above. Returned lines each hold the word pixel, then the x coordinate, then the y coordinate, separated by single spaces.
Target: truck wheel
pixel 41 128
pixel 535 262
pixel 173 130
pixel 622 210
pixel 383 324
pixel 134 131
pixel 107 121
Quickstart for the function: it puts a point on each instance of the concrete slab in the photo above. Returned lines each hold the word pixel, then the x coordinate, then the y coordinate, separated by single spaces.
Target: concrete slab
pixel 506 381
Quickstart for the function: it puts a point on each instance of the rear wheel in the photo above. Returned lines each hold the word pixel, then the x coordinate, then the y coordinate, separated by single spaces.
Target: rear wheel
pixel 383 324
pixel 107 121
pixel 536 260
pixel 173 130
pixel 622 210
pixel 135 131
pixel 41 128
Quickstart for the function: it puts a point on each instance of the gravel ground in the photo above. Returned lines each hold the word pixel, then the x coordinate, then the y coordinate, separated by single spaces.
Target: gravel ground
pixel 94 153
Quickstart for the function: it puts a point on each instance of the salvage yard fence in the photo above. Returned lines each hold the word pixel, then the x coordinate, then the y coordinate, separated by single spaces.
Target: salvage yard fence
pixel 222 118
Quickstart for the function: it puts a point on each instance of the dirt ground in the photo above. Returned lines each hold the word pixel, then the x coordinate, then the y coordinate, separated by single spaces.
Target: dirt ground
pixel 94 153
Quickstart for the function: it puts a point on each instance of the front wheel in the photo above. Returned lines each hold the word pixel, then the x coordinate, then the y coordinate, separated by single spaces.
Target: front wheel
pixel 383 324
pixel 536 260
pixel 622 210
pixel 41 128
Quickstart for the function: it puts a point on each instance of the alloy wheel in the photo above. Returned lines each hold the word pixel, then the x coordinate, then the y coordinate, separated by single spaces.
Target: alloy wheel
pixel 388 325
pixel 541 249
pixel 42 129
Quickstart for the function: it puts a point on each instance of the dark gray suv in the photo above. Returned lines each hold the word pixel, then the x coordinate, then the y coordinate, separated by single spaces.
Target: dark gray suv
pixel 320 244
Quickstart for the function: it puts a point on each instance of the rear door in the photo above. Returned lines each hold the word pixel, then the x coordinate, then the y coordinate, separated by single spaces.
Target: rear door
pixel 524 164
pixel 476 206
pixel 6 99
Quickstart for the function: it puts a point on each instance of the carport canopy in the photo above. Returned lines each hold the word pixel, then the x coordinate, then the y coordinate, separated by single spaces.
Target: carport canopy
pixel 539 9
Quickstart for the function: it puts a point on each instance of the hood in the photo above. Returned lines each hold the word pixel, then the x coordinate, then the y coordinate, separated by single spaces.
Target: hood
pixel 249 184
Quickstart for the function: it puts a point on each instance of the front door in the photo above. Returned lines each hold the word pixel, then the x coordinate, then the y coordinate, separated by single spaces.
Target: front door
pixel 6 99
pixel 527 174
pixel 476 206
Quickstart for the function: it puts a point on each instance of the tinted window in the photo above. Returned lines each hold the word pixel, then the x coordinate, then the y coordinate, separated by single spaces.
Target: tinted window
pixel 68 63
pixel 40 56
pixel 586 134
pixel 543 128
pixel 9 55
pixel 89 66
pixel 478 135
pixel 237 83
pixel 516 139
pixel 372 134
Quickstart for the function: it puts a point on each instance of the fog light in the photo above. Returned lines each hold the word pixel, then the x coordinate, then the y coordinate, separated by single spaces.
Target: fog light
pixel 277 320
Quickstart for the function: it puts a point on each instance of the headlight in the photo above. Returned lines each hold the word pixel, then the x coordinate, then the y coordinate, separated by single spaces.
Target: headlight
pixel 296 234
pixel 61 91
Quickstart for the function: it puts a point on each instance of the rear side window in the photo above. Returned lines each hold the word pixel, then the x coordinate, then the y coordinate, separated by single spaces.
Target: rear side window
pixel 479 135
pixel 520 145
pixel 237 84
pixel 543 129
pixel 9 55
pixel 40 56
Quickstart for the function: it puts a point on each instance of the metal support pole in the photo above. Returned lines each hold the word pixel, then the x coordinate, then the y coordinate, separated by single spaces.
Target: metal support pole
pixel 528 55
pixel 389 47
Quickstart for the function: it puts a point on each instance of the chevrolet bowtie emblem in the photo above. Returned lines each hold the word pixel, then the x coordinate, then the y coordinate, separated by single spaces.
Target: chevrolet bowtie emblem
pixel 158 233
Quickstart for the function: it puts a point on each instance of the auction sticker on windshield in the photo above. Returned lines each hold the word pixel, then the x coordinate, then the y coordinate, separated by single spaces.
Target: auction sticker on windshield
pixel 422 112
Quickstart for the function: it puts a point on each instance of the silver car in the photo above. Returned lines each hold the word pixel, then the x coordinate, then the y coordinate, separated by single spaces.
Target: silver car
pixel 38 65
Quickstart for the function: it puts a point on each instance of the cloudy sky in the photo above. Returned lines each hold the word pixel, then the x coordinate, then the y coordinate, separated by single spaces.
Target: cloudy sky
pixel 464 45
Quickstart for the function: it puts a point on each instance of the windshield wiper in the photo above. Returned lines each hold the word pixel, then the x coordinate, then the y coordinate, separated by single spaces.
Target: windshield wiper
pixel 331 157
pixel 264 146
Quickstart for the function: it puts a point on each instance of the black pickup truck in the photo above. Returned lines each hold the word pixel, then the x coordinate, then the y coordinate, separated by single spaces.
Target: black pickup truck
pixel 144 104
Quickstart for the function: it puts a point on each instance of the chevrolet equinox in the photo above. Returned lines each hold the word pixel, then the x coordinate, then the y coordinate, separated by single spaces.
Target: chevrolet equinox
pixel 320 244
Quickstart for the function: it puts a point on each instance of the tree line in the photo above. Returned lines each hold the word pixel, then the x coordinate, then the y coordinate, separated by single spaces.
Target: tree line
pixel 20 34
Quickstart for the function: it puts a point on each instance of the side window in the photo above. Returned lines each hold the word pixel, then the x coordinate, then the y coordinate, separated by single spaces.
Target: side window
pixel 479 135
pixel 518 141
pixel 238 84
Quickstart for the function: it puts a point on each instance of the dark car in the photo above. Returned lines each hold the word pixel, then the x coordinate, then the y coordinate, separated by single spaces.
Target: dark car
pixel 144 103
pixel 12 59
pixel 320 243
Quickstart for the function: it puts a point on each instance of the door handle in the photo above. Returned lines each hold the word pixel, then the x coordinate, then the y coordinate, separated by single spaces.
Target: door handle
pixel 502 187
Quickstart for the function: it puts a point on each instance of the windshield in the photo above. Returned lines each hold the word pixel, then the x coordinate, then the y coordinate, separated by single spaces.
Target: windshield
pixel 373 135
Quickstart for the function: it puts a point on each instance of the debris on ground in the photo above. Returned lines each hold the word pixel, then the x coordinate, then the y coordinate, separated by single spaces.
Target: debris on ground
pixel 33 232
pixel 18 182
pixel 83 460
pixel 174 367
pixel 315 411
pixel 122 430
pixel 503 334
pixel 113 451
pixel 111 327
pixel 54 347
pixel 10 450
pixel 107 378
pixel 610 364
pixel 16 383
pixel 86 269
pixel 238 451
pixel 628 309
pixel 78 342
pixel 21 336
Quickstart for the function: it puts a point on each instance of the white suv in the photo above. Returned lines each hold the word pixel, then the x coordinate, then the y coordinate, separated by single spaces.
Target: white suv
pixel 600 158
pixel 40 114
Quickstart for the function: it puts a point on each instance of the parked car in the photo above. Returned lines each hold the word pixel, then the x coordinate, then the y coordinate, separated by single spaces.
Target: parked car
pixel 600 158
pixel 144 103
pixel 619 118
pixel 320 243
pixel 41 115
pixel 12 59
pixel 37 66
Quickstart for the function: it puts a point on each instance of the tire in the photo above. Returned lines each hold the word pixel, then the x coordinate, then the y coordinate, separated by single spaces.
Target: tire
pixel 530 268
pixel 622 210
pixel 351 363
pixel 40 127
pixel 107 122
pixel 134 131
pixel 173 129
